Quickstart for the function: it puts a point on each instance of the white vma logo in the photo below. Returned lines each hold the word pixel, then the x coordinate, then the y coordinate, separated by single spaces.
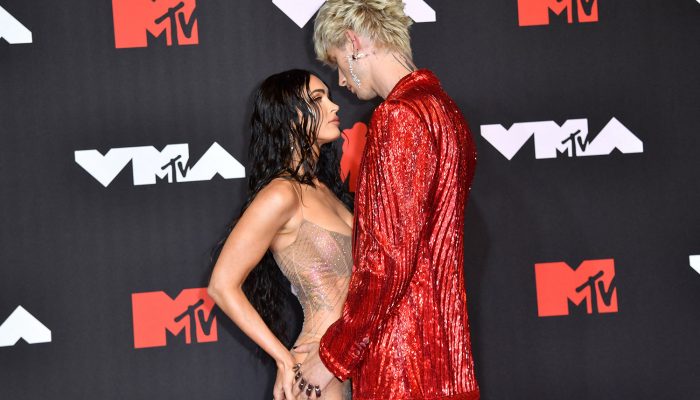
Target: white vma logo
pixel 695 263
pixel 148 164
pixel 301 11
pixel 22 325
pixel 12 30
pixel 570 139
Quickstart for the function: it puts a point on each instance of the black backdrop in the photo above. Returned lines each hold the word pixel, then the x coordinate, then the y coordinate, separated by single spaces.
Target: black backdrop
pixel 80 257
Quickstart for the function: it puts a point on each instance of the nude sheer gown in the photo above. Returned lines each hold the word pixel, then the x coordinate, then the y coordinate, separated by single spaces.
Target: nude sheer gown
pixel 318 265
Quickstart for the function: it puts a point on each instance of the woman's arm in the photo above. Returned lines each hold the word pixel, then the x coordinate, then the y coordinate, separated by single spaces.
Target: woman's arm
pixel 266 217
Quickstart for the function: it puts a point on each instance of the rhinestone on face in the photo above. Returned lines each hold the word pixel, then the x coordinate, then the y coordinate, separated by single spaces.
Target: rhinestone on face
pixel 353 75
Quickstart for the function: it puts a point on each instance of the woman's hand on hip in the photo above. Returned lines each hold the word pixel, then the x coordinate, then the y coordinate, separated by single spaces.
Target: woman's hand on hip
pixel 285 379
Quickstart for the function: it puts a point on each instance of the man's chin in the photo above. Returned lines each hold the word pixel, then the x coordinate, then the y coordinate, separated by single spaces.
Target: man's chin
pixel 366 96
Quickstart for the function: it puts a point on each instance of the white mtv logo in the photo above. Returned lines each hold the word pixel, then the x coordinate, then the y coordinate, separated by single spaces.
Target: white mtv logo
pixel 301 11
pixel 12 30
pixel 571 138
pixel 22 325
pixel 148 164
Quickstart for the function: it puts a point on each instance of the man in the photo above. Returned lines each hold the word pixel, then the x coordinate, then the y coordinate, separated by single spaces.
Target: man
pixel 404 332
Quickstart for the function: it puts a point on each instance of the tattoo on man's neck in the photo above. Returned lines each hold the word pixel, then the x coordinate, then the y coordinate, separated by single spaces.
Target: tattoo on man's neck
pixel 405 62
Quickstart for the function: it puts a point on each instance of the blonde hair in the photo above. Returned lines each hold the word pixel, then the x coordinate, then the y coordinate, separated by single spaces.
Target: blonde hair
pixel 382 21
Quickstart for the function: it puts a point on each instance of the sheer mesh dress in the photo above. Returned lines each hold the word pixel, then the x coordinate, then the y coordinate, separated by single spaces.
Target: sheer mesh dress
pixel 318 265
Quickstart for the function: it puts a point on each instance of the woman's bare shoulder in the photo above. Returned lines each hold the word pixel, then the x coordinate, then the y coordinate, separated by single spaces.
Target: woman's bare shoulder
pixel 278 196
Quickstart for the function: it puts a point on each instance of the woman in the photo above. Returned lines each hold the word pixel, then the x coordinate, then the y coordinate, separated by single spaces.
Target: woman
pixel 293 215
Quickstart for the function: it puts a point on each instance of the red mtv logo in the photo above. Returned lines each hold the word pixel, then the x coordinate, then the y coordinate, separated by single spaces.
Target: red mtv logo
pixel 134 20
pixel 536 12
pixel 558 286
pixel 155 313
pixel 353 146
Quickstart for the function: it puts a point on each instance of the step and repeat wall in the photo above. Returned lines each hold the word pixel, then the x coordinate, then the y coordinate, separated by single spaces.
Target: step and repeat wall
pixel 124 155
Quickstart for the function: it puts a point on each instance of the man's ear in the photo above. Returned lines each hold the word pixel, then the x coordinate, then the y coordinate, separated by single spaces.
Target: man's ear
pixel 353 40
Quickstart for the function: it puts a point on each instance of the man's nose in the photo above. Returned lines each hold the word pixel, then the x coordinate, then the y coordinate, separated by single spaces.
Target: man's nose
pixel 341 79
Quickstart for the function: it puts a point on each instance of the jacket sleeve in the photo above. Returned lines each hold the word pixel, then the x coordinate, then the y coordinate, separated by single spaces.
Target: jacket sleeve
pixel 395 183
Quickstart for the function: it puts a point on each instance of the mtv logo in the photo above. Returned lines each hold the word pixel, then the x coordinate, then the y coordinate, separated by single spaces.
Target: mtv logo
pixel 155 313
pixel 570 139
pixel 353 147
pixel 559 287
pixel 148 164
pixel 12 30
pixel 537 12
pixel 23 325
pixel 135 20
pixel 301 11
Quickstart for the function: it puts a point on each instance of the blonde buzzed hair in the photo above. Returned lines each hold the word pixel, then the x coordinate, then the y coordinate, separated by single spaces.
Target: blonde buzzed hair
pixel 382 21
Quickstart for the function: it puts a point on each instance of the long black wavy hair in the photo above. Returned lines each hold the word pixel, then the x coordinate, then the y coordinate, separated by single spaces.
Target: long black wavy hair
pixel 284 126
